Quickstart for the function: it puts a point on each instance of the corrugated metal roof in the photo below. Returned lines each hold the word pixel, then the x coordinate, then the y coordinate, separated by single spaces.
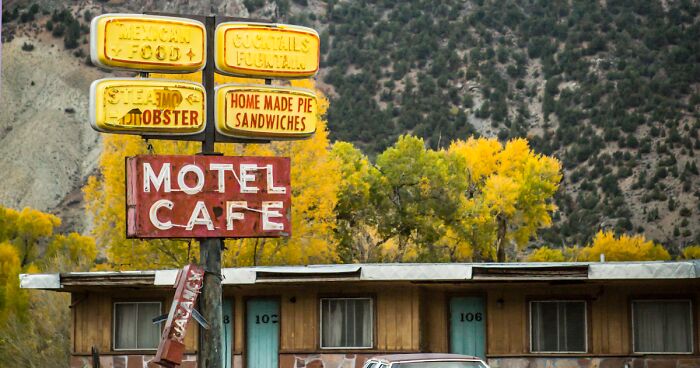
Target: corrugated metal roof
pixel 410 272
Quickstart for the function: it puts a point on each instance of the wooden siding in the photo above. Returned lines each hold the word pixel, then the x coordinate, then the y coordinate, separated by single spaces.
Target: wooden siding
pixel 397 319
pixel 92 319
pixel 609 329
pixel 408 317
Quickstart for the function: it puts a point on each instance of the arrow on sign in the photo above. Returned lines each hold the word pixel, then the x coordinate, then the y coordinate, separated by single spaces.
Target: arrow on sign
pixel 192 98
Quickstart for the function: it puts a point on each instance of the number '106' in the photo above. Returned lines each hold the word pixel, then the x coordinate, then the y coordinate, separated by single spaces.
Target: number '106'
pixel 469 317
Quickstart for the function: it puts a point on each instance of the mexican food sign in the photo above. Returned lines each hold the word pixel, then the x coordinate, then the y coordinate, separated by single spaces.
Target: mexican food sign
pixel 147 43
pixel 266 50
pixel 147 106
pixel 208 196
pixel 265 112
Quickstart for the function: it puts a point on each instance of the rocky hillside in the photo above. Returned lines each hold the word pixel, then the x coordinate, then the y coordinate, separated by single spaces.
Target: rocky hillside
pixel 610 87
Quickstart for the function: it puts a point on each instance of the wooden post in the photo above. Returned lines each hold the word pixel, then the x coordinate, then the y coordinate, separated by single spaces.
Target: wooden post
pixel 210 354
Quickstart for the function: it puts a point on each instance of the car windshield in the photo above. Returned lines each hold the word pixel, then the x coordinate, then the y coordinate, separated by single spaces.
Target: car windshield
pixel 440 365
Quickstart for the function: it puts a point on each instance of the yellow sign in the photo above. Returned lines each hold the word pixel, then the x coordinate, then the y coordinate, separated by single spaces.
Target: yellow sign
pixel 265 112
pixel 147 106
pixel 147 43
pixel 266 50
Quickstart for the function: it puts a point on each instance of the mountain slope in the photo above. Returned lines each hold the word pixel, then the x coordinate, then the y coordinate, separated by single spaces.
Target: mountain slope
pixel 610 87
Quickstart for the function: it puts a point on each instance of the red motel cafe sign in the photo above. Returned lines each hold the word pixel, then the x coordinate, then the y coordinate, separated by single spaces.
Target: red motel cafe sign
pixel 208 197
pixel 172 343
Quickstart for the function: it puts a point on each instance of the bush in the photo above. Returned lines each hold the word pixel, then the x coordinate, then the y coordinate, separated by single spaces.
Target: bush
pixel 58 30
pixel 27 47
pixel 72 37
pixel 253 5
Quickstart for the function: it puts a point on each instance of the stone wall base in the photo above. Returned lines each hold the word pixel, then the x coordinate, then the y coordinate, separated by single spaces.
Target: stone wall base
pixel 323 360
pixel 125 361
pixel 356 361
pixel 631 362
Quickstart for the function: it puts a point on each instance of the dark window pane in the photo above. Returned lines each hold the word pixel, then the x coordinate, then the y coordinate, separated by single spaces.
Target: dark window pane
pixel 558 326
pixel 662 326
pixel 574 334
pixel 346 323
pixel 133 326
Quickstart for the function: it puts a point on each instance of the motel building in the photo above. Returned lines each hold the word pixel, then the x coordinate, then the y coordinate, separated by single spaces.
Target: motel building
pixel 514 315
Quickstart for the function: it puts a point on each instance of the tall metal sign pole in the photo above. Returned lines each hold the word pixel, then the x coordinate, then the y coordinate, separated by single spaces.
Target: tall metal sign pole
pixel 173 196
pixel 210 248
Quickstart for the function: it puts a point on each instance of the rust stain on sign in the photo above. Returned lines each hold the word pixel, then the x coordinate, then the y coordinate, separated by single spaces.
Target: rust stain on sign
pixel 208 197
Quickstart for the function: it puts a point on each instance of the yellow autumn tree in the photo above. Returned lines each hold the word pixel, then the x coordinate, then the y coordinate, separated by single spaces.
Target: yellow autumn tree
pixel 509 195
pixel 9 286
pixel 28 244
pixel 314 177
pixel 691 252
pixel 466 203
pixel 546 254
pixel 623 248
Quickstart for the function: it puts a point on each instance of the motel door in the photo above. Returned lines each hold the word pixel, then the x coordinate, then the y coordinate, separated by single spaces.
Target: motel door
pixel 262 333
pixel 468 326
pixel 227 333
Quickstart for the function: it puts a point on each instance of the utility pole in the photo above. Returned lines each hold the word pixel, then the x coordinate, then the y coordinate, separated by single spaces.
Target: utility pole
pixel 210 353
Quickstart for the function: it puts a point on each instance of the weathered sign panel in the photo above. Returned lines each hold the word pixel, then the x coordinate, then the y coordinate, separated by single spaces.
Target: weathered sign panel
pixel 266 50
pixel 207 196
pixel 147 106
pixel 265 112
pixel 147 43
pixel 172 343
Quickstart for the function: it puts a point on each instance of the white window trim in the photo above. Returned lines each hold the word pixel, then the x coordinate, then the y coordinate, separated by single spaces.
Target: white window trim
pixel 371 324
pixel 585 324
pixel 692 331
pixel 114 325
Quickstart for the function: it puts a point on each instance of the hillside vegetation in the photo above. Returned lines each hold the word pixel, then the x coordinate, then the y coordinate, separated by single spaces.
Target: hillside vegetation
pixel 611 88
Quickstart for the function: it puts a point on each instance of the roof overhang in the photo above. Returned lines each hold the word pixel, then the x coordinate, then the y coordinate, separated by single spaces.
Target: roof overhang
pixel 381 272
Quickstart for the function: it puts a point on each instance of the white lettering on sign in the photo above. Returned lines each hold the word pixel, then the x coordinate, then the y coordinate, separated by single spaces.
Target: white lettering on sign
pixel 149 176
pixel 186 304
pixel 153 214
pixel 231 215
pixel 267 214
pixel 181 179
pixel 228 197
pixel 200 216
pixel 246 177
pixel 221 170
pixel 271 188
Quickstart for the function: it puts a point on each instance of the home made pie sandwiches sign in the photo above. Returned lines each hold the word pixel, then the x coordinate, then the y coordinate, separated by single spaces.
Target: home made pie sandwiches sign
pixel 208 196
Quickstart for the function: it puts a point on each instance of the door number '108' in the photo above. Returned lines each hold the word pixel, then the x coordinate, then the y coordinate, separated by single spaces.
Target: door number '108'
pixel 266 318
pixel 469 317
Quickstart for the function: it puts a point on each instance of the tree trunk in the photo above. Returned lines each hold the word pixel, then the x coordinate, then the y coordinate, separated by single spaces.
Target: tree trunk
pixel 501 239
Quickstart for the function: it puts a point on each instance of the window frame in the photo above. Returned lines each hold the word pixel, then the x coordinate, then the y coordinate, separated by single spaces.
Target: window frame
pixel 651 300
pixel 371 322
pixel 585 324
pixel 114 323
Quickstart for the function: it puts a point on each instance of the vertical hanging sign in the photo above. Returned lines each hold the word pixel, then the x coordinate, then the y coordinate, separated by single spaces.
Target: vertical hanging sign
pixel 172 343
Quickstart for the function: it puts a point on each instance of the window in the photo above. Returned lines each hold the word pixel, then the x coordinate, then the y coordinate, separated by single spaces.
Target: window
pixel 133 326
pixel 662 326
pixel 558 326
pixel 346 323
